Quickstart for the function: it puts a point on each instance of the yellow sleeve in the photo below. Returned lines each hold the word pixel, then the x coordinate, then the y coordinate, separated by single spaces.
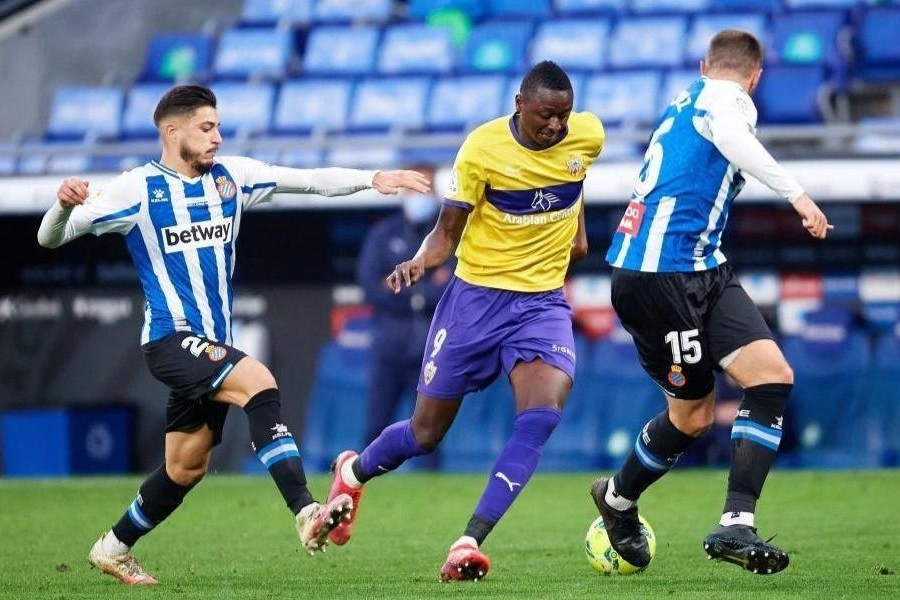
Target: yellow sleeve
pixel 468 178
pixel 597 133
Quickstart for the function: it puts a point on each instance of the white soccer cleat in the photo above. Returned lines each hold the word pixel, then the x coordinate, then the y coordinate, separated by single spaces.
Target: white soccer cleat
pixel 123 567
pixel 316 521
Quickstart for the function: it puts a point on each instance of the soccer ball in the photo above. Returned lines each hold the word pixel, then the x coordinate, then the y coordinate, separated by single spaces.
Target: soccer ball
pixel 603 558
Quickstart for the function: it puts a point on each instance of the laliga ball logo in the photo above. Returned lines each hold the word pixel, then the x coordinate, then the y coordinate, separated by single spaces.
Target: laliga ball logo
pixel 602 556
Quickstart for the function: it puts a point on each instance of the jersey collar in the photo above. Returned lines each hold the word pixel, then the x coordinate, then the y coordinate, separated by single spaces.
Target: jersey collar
pixel 174 173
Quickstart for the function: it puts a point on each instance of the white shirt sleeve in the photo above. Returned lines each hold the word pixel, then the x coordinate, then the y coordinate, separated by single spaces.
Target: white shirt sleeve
pixel 111 209
pixel 732 132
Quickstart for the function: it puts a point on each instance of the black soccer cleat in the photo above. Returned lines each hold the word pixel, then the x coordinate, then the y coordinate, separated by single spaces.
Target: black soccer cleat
pixel 622 527
pixel 740 545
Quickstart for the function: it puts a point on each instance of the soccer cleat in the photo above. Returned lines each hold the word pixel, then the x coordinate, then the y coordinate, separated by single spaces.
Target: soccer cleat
pixel 623 528
pixel 740 545
pixel 316 521
pixel 465 562
pixel 123 567
pixel 340 535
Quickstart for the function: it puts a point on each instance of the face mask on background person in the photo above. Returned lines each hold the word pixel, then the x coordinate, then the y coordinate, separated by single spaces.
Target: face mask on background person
pixel 420 208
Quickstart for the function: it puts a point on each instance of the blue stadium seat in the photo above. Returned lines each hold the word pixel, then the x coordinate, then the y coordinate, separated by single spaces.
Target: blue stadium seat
pixel 244 108
pixel 419 9
pixel 7 164
pixel 738 5
pixel 517 8
pixel 462 102
pixel 389 102
pixel 879 53
pixel 65 163
pixel 141 101
pixel 300 158
pixel 497 46
pixel 572 43
pixel 416 48
pixel 272 12
pixel 253 52
pixel 674 83
pixel 79 112
pixel 515 82
pixel 366 156
pixel 579 7
pixel 177 57
pixel 800 4
pixel 481 428
pixel 376 11
pixel 309 104
pixel 790 94
pixel 669 6
pixel 808 38
pixel 648 42
pixel 623 97
pixel 340 50
pixel 705 27
pixel 882 401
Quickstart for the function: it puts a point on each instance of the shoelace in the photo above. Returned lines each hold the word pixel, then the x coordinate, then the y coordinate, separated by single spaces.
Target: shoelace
pixel 132 566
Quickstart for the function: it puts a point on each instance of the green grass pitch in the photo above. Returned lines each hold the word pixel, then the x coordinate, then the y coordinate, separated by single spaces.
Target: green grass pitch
pixel 233 538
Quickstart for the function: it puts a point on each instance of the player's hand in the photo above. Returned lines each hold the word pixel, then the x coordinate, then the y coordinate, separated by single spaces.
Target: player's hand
pixel 406 273
pixel 391 182
pixel 72 192
pixel 814 220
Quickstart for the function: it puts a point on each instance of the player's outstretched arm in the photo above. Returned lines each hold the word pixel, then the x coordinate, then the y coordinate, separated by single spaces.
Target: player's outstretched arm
pixel 338 181
pixel 55 229
pixel 434 251
pixel 391 182
pixel 814 220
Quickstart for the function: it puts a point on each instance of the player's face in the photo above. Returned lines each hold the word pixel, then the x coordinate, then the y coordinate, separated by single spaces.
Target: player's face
pixel 543 115
pixel 200 138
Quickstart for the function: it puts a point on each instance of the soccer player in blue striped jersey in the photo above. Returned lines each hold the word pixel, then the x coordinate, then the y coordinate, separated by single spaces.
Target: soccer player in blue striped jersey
pixel 678 297
pixel 180 217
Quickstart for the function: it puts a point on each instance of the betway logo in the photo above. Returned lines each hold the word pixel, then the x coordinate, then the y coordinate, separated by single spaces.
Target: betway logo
pixel 179 238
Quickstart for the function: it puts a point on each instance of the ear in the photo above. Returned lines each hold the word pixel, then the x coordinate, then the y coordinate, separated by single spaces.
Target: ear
pixel 704 67
pixel 519 102
pixel 754 81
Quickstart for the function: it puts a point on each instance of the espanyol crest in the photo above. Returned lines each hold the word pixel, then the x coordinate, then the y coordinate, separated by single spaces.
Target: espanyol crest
pixel 225 187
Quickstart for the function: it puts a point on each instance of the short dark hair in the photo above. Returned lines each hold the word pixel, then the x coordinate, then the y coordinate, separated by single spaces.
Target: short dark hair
pixel 546 74
pixel 183 100
pixel 735 50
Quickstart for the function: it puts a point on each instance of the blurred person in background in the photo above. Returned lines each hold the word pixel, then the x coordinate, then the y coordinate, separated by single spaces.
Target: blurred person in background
pixel 514 212
pixel 400 321
pixel 686 310
pixel 179 217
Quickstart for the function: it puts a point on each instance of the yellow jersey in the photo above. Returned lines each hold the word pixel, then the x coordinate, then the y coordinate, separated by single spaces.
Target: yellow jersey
pixel 524 203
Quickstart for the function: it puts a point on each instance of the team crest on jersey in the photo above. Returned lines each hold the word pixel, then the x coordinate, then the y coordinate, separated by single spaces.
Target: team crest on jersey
pixel 574 164
pixel 225 187
pixel 216 353
pixel 676 377
pixel 429 372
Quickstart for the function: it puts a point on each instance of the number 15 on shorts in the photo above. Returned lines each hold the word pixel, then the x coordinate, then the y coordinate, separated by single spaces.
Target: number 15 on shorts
pixel 685 346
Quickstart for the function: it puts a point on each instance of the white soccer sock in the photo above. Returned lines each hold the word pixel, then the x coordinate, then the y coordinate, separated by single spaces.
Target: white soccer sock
pixel 615 500
pixel 347 474
pixel 736 518
pixel 113 546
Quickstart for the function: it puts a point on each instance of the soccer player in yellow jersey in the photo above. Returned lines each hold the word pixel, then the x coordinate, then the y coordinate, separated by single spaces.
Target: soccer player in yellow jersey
pixel 515 209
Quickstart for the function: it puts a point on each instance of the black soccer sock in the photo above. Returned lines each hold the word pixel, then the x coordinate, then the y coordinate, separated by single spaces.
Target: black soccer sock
pixel 157 498
pixel 478 528
pixel 275 447
pixel 655 451
pixel 755 437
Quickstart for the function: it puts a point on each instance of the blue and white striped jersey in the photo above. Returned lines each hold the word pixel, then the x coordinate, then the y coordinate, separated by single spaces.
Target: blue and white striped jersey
pixel 686 186
pixel 181 233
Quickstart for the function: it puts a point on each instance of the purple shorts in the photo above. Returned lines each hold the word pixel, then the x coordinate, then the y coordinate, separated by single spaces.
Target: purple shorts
pixel 477 330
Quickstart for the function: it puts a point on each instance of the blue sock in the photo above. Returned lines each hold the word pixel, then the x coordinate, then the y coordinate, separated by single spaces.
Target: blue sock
pixel 392 448
pixel 514 467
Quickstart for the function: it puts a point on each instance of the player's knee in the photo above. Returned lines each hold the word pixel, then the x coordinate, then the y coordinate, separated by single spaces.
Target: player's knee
pixel 186 475
pixel 783 374
pixel 427 436
pixel 694 423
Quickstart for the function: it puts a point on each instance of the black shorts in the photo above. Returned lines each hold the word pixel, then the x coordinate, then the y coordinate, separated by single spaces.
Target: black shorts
pixel 192 367
pixel 683 324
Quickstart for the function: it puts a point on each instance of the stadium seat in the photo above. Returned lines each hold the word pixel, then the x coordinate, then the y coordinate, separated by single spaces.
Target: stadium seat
pixel 801 4
pixel 515 82
pixel 311 104
pixel 389 102
pixel 669 6
pixel 572 43
pixel 462 102
pixel 617 98
pixel 416 48
pixel 648 42
pixel 368 156
pixel 419 9
pixel 79 112
pixel 253 52
pixel 141 101
pixel 177 57
pixel 244 108
pixel 268 13
pixel 300 158
pixel 497 46
pixel 878 56
pixel 675 82
pixel 790 95
pixel 739 5
pixel 340 51
pixel 538 9
pixel 808 38
pixel 704 27
pixel 375 11
pixel 7 164
pixel 579 7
